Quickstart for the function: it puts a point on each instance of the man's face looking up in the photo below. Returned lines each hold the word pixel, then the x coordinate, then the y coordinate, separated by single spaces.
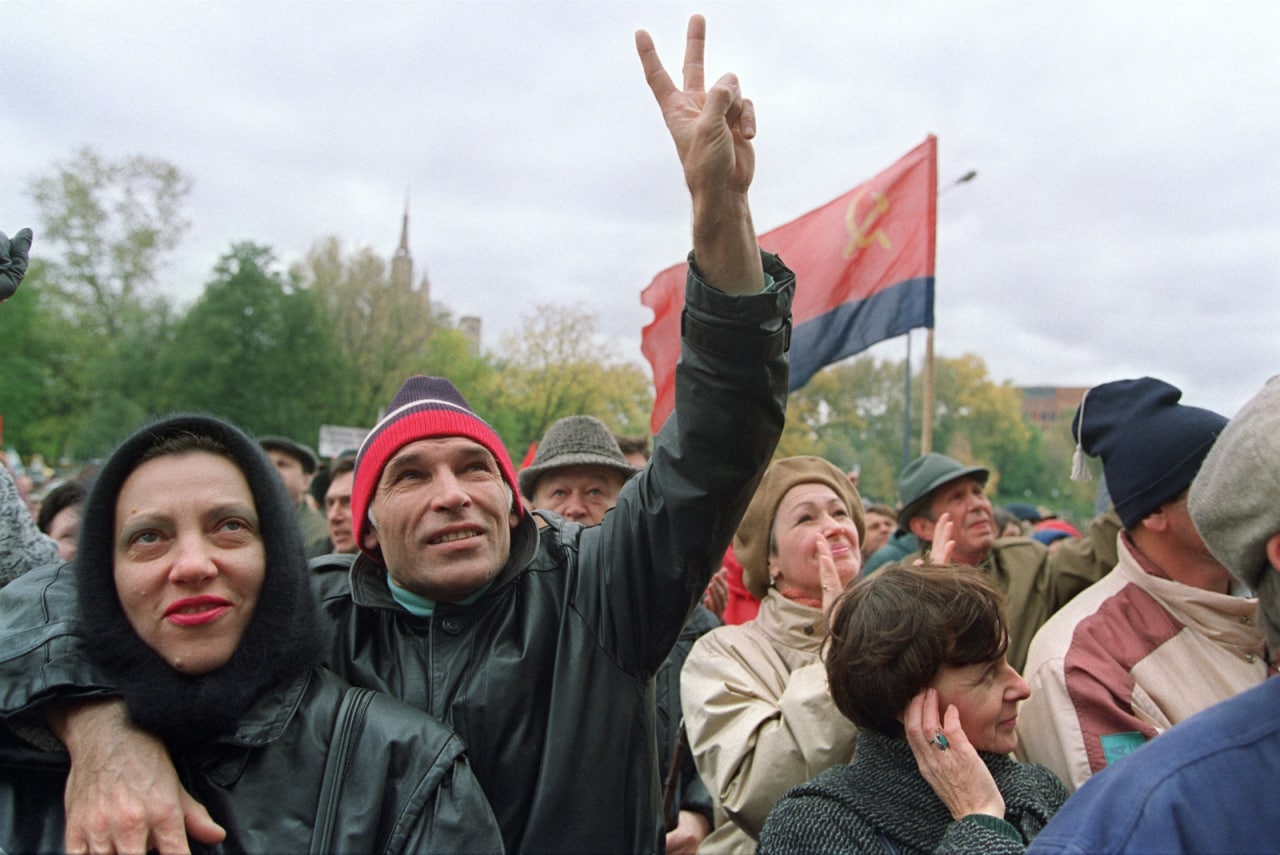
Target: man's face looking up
pixel 442 517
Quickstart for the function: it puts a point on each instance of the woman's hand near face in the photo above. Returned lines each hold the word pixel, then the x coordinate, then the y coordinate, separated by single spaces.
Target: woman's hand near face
pixel 957 774
pixel 831 583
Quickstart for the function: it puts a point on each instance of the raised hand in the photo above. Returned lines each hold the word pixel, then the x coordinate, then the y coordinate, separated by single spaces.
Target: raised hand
pixel 712 130
pixel 947 760
pixel 13 261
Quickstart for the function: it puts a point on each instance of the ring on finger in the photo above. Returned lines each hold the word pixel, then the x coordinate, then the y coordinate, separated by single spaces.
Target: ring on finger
pixel 940 741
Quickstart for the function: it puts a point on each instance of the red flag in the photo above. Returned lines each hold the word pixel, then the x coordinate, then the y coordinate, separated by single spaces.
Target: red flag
pixel 864 273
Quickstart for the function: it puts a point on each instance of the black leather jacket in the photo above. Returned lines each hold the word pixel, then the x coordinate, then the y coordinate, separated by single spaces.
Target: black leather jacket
pixel 548 676
pixel 405 785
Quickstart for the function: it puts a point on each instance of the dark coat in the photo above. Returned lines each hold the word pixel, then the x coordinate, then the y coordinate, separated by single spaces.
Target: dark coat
pixel 406 787
pixel 254 738
pixel 690 793
pixel 881 803
pixel 548 676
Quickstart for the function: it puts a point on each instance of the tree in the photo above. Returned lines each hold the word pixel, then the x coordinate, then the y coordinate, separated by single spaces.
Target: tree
pixel 852 413
pixel 113 221
pixel 106 225
pixel 556 366
pixel 254 349
pixel 383 332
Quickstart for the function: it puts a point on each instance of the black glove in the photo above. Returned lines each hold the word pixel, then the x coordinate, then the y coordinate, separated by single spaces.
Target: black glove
pixel 13 261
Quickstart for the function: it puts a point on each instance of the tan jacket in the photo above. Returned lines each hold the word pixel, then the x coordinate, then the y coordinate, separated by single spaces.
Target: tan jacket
pixel 1129 658
pixel 760 717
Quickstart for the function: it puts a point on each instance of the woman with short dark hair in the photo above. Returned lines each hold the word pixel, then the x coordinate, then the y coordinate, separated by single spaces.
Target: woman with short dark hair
pixel 917 661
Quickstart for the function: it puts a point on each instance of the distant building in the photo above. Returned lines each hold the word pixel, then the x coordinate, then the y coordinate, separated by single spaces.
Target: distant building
pixel 470 326
pixel 1046 405
pixel 402 264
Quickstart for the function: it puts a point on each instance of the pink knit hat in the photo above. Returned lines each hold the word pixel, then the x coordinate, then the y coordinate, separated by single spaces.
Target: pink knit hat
pixel 425 407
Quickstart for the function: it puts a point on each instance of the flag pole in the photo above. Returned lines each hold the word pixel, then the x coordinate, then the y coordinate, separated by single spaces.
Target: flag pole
pixel 906 408
pixel 926 417
pixel 926 396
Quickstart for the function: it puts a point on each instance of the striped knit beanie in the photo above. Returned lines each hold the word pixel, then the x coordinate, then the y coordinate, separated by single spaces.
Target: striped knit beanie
pixel 425 407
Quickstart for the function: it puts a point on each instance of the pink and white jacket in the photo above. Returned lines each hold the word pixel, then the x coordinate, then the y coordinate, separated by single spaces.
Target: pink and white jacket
pixel 1131 656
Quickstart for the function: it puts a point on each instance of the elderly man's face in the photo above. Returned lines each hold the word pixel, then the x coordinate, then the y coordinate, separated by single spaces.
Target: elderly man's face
pixel 442 517
pixel 975 525
pixel 578 493
pixel 295 478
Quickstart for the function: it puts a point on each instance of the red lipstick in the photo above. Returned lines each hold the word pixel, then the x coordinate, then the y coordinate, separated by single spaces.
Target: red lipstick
pixel 193 611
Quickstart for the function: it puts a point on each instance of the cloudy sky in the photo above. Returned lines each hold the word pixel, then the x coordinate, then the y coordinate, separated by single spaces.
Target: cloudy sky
pixel 1125 219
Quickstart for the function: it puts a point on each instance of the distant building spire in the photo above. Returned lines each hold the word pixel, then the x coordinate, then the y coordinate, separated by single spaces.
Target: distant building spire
pixel 402 261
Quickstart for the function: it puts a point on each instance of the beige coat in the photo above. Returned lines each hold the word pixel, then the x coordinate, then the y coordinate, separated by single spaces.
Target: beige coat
pixel 760 717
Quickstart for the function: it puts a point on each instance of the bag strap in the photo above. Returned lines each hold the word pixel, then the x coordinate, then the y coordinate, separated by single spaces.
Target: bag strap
pixel 346 731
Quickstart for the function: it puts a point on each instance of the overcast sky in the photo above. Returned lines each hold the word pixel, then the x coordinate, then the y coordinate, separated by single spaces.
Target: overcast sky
pixel 1125 219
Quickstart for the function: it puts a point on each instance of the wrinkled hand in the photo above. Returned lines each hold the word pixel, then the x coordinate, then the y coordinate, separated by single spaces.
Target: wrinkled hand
pixel 13 261
pixel 123 794
pixel 944 542
pixel 958 775
pixel 716 597
pixel 712 129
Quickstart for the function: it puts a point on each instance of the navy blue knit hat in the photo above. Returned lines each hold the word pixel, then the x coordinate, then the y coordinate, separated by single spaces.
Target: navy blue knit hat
pixel 1151 446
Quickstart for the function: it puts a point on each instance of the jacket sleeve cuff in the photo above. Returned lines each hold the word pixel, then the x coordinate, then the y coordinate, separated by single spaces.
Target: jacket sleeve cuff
pixel 745 327
pixel 994 823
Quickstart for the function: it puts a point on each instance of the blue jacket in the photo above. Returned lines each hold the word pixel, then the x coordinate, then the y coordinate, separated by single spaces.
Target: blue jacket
pixel 1205 785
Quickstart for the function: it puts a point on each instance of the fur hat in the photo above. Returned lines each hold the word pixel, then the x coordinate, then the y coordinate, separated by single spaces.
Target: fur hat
pixel 424 408
pixel 574 441
pixel 751 543
pixel 1235 499
pixel 283 635
pixel 1151 446
pixel 924 475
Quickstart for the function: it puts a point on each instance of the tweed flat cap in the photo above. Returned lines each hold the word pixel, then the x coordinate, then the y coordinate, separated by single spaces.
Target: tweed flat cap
pixel 574 441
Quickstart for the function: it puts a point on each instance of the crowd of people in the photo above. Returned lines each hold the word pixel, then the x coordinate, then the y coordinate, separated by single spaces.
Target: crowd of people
pixel 697 648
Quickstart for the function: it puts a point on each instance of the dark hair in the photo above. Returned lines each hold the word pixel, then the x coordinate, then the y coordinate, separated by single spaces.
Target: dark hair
pixel 893 631
pixel 633 444
pixel 341 466
pixel 884 511
pixel 58 499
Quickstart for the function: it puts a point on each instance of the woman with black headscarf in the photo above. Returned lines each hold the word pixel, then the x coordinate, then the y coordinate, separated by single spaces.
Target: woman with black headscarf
pixel 193 585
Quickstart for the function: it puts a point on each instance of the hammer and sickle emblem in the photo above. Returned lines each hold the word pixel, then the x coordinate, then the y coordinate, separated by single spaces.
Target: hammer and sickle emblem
pixel 863 234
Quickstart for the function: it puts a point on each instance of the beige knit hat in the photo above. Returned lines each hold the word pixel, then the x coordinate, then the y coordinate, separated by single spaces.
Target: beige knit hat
pixel 751 543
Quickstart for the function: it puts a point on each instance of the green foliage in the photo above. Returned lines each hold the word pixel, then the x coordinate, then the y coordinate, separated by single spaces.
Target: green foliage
pixel 109 223
pixel 382 331
pixel 88 351
pixel 555 366
pixel 254 350
pixel 851 413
